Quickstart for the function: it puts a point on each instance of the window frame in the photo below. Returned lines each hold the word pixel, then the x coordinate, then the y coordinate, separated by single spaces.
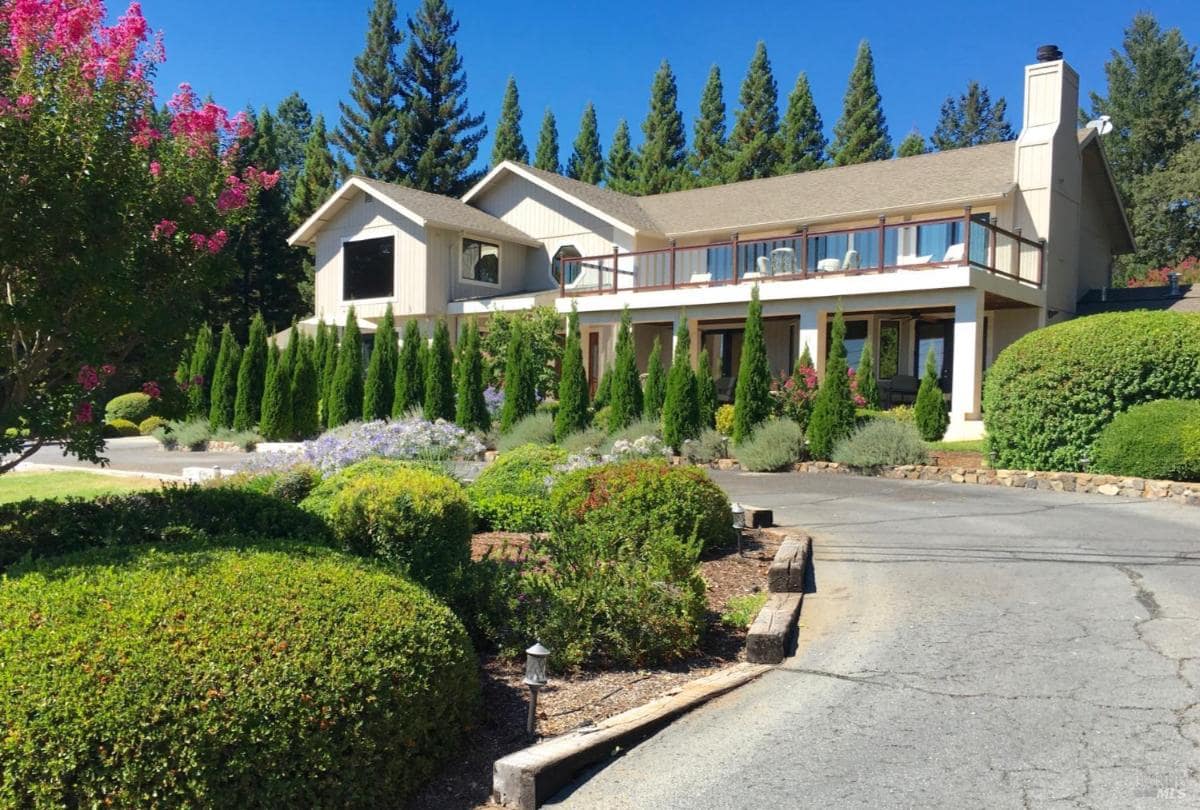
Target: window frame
pixel 365 237
pixel 498 245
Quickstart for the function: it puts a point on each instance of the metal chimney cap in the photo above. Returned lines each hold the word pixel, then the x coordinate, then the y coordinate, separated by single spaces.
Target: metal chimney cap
pixel 1049 53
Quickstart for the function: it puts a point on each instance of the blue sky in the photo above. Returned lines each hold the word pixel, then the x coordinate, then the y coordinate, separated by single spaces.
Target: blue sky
pixel 255 52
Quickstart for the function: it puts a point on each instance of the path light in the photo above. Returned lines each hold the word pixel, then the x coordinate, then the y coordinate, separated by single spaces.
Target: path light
pixel 739 523
pixel 535 679
pixel 1084 461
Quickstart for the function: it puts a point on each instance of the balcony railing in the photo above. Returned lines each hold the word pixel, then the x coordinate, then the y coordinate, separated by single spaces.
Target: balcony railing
pixel 970 240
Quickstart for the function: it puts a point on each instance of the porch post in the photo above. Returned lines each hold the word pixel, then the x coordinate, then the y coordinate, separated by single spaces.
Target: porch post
pixel 966 384
pixel 693 327
pixel 813 334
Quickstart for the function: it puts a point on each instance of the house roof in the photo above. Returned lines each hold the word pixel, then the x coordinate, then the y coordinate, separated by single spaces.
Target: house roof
pixel 1131 298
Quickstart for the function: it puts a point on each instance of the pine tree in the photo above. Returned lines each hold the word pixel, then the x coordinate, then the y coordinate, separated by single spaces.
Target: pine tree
pixel 470 409
pixel 625 395
pixel 224 382
pixel 868 387
pixel 970 120
pixel 586 162
pixel 709 159
pixel 520 396
pixel 276 421
pixel 305 399
pixel 200 373
pixel 802 141
pixel 913 144
pixel 369 131
pixel 861 134
pixel 572 413
pixel 681 409
pixel 706 392
pixel 510 143
pixel 329 363
pixel 655 390
pixel 833 410
pixel 294 122
pixel 410 372
pixel 929 411
pixel 318 177
pixel 754 142
pixel 546 157
pixel 440 137
pixel 439 376
pixel 380 388
pixel 251 377
pixel 752 397
pixel 662 158
pixel 621 168
pixel 346 390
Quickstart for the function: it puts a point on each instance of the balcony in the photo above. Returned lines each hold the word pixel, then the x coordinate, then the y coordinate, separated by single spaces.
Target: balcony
pixel 970 240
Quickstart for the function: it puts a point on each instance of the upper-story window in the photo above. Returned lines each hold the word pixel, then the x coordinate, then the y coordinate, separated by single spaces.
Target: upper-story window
pixel 368 269
pixel 480 262
pixel 556 263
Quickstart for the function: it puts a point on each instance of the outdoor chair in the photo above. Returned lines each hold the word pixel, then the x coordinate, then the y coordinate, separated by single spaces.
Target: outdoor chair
pixel 899 390
pixel 828 266
pixel 783 261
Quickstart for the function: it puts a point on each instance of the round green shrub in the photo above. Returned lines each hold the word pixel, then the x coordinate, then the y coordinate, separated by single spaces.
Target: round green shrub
pixel 151 424
pixel 773 446
pixel 320 499
pixel 1152 440
pixel 1049 394
pixel 281 677
pixel 882 443
pixel 644 496
pixel 120 428
pixel 132 407
pixel 511 493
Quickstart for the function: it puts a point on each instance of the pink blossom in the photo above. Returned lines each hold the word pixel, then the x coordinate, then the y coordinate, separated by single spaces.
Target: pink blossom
pixel 217 241
pixel 199 241
pixel 109 369
pixel 234 196
pixel 189 200
pixel 165 229
pixel 151 390
pixel 83 413
pixel 144 134
pixel 88 378
pixel 198 379
pixel 25 101
pixel 265 180
pixel 155 168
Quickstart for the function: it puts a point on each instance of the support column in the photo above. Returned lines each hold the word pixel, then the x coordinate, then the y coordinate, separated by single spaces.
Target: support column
pixel 693 326
pixel 967 382
pixel 813 333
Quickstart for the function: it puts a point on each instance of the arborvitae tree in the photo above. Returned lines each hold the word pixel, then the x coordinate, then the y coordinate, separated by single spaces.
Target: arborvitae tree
pixel 200 373
pixel 655 390
pixel 410 372
pixel 329 363
pixel 346 391
pixel 223 392
pixel 971 119
pixel 586 162
pixel 913 144
pixel 369 131
pixel 380 388
pixel 510 143
pixel 305 401
pixel 295 343
pixel 930 409
pixel 801 412
pixel 439 374
pixel 621 168
pixel 252 377
pixel 754 142
pixel 752 398
pixel 603 391
pixel 833 410
pixel 625 394
pixel 276 421
pixel 802 136
pixel 572 413
pixel 681 409
pixel 319 345
pixel 318 176
pixel 440 137
pixel 520 382
pixel 709 159
pixel 546 156
pixel 861 134
pixel 706 392
pixel 864 376
pixel 662 158
pixel 470 409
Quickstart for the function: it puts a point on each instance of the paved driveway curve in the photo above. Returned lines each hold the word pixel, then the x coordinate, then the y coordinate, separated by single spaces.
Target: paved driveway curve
pixel 966 646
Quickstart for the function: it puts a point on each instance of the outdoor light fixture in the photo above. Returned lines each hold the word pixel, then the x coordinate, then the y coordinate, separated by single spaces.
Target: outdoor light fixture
pixel 1084 461
pixel 535 679
pixel 739 522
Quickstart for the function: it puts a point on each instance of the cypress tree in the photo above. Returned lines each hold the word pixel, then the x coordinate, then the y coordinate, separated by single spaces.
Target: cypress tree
pixel 318 177
pixel 929 411
pixel 603 390
pixel 305 401
pixel 861 134
pixel 440 137
pixel 586 162
pixel 681 410
pixel 252 377
pixel 802 137
pixel 224 382
pixel 706 392
pixel 572 413
pixel 276 421
pixel 318 351
pixel 380 388
pixel 655 390
pixel 369 131
pixel 864 376
pixel 329 363
pixel 295 343
pixel 346 391
pixel 912 145
pixel 520 383
pixel 754 142
pixel 625 394
pixel 662 158
pixel 971 119
pixel 546 156
pixel 621 168
pixel 410 372
pixel 510 143
pixel 752 399
pixel 710 154
pixel 833 409
pixel 200 368
pixel 439 372
pixel 470 409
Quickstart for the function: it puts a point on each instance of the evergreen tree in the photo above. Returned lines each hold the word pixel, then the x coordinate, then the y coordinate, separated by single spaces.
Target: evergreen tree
pixel 861 134
pixel 295 342
pixel 439 373
pixel 802 141
pixel 971 119
pixel 440 137
pixel 380 388
pixel 251 377
pixel 318 351
pixel 625 394
pixel 930 409
pixel 868 387
pixel 520 396
pixel 510 143
pixel 224 382
pixel 329 363
pixel 200 373
pixel 294 124
pixel 603 391
pixel 913 144
pixel 709 159
pixel 546 157
pixel 276 421
pixel 655 390
pixel 706 392
pixel 410 372
pixel 369 131
pixel 801 410
pixel 752 398
pixel 833 410
pixel 586 162
pixel 346 390
pixel 662 158
pixel 681 409
pixel 305 401
pixel 318 176
pixel 754 142
pixel 621 168
pixel 572 413
pixel 1165 206
pixel 470 409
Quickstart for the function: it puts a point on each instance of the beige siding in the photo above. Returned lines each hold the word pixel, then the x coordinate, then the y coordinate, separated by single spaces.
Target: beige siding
pixel 1095 243
pixel 445 258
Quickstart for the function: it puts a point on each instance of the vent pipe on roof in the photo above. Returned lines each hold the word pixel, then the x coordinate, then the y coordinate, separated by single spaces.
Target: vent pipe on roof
pixel 1173 285
pixel 1049 53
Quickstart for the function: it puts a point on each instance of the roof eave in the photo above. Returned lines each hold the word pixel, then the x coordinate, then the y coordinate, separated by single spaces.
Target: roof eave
pixel 306 234
pixel 1094 137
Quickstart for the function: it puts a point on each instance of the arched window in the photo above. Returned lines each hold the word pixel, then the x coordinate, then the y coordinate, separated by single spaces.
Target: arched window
pixel 564 252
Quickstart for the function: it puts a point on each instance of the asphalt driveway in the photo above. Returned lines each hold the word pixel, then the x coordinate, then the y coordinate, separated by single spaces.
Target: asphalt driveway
pixel 966 646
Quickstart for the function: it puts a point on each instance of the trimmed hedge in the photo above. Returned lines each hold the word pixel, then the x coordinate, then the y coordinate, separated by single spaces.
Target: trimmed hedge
pixel 1153 440
pixel 1050 394
pixel 511 493
pixel 151 424
pixel 274 677
pixel 120 428
pixel 132 407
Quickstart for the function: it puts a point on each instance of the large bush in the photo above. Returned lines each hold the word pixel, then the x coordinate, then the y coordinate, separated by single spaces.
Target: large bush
pixel 511 493
pixel 1153 440
pixel 774 445
pixel 1049 394
pixel 276 677
pixel 882 443
pixel 131 407
pixel 120 428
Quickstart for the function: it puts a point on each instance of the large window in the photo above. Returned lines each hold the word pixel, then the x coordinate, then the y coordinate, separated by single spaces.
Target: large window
pixel 480 262
pixel 556 264
pixel 368 269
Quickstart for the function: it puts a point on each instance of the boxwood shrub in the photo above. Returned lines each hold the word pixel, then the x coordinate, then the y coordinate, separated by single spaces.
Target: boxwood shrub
pixel 270 677
pixel 133 407
pixel 1050 394
pixel 120 428
pixel 1153 440
pixel 151 424
pixel 511 493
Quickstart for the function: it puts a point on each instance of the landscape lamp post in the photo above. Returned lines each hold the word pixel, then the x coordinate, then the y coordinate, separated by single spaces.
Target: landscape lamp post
pixel 535 679
pixel 739 523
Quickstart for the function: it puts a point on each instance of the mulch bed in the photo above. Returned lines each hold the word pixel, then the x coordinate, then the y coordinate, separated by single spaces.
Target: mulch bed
pixel 957 458
pixel 587 697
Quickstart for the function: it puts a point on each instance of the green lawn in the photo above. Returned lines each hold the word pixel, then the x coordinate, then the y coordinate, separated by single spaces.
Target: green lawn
pixel 971 446
pixel 19 486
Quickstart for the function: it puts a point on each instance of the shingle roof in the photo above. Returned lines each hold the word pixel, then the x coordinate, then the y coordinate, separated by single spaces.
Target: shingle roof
pixel 1131 298
pixel 449 212
pixel 621 207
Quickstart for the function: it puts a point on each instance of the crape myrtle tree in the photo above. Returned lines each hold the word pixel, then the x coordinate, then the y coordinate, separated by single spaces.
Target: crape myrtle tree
pixel 116 215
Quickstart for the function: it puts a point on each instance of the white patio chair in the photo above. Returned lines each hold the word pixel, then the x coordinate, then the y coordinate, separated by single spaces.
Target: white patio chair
pixel 850 262
pixel 762 268
pixel 783 261
pixel 954 254
pixel 828 266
